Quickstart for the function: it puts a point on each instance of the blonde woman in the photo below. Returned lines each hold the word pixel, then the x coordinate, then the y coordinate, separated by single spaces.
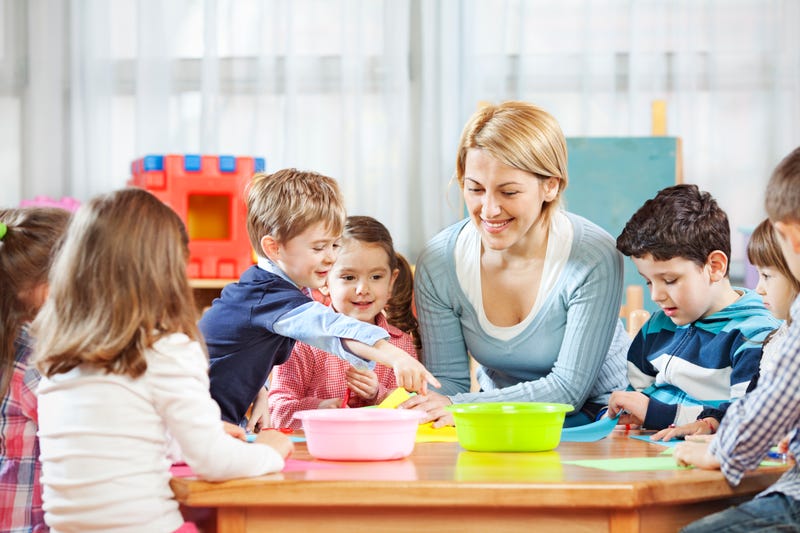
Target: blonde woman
pixel 531 291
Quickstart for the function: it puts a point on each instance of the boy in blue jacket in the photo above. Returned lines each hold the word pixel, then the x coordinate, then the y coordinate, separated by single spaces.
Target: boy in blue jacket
pixel 704 345
pixel 294 221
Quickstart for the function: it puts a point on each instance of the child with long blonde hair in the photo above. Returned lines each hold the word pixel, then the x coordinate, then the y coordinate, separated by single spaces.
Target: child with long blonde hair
pixel 28 240
pixel 124 369
pixel 373 283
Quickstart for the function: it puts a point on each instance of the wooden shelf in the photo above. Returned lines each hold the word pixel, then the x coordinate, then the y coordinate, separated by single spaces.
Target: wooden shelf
pixel 205 290
pixel 198 283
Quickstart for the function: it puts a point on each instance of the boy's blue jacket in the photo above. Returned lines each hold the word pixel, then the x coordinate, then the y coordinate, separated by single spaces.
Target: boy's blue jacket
pixel 707 362
pixel 242 344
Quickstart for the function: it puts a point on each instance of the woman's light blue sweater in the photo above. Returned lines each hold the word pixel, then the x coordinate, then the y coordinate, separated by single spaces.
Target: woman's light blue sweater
pixel 565 354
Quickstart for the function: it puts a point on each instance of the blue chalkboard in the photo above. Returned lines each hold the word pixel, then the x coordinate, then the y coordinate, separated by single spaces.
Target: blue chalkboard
pixel 611 177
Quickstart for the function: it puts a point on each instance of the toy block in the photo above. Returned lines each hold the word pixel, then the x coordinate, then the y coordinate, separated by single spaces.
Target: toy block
pixel 67 202
pixel 207 192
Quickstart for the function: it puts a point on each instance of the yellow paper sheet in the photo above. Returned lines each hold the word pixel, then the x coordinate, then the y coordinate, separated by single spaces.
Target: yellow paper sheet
pixel 395 398
pixel 427 433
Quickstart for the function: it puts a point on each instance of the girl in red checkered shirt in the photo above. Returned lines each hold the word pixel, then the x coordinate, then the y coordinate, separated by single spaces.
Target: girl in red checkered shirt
pixel 371 282
pixel 28 238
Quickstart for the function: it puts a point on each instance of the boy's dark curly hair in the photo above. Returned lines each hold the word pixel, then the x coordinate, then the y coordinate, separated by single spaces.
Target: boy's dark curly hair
pixel 681 221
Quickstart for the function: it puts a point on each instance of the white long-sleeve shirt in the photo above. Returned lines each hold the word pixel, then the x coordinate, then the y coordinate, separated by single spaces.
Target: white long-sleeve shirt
pixel 105 437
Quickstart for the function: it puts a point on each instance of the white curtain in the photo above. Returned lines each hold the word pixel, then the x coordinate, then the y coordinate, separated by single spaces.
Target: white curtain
pixel 374 93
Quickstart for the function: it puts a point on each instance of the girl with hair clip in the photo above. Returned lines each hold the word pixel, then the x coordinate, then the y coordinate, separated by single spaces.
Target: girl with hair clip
pixel 778 288
pixel 28 239
pixel 125 371
pixel 370 282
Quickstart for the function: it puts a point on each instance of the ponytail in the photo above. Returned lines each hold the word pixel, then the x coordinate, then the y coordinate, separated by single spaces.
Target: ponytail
pixel 400 307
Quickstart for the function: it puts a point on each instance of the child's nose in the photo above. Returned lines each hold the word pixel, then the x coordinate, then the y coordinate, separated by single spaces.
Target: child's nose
pixel 657 293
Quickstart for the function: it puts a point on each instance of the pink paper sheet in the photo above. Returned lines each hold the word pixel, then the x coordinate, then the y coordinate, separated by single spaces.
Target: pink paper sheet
pixel 292 465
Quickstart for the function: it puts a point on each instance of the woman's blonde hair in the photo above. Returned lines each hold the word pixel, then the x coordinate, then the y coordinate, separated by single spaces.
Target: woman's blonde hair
pixel 118 284
pixel 522 136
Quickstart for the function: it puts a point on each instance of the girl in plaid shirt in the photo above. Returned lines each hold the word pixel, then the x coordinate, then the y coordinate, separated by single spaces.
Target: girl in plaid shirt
pixel 28 238
pixel 371 282
pixel 772 410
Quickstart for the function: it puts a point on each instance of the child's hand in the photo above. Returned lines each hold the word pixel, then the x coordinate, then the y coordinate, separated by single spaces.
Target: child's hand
pixel 408 372
pixel 363 382
pixel 783 445
pixel 234 431
pixel 706 426
pixel 259 414
pixel 277 440
pixel 330 403
pixel 633 403
pixel 695 452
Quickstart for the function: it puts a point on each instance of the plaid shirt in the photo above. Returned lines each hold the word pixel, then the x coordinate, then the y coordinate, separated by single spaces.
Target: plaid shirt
pixel 767 414
pixel 311 375
pixel 20 492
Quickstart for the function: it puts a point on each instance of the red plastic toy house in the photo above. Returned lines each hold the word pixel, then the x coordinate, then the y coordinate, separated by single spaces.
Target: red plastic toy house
pixel 207 192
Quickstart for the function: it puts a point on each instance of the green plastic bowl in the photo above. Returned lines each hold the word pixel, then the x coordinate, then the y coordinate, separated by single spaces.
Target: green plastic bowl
pixel 510 426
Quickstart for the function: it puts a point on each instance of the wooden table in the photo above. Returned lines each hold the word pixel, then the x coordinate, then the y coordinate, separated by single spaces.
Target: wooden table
pixel 442 487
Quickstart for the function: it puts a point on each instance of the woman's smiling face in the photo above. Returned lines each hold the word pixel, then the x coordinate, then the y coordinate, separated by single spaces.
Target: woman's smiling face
pixel 504 203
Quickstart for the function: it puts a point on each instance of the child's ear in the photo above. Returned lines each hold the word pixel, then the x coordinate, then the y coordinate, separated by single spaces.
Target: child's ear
pixel 271 247
pixel 392 279
pixel 717 263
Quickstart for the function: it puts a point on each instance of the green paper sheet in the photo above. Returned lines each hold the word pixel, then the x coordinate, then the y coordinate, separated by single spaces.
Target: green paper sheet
pixel 630 464
pixel 635 464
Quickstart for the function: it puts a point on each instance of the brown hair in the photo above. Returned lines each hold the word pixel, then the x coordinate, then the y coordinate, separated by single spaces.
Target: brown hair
pixel 782 200
pixel 399 308
pixel 118 285
pixel 26 252
pixel 763 250
pixel 680 221
pixel 520 135
pixel 286 203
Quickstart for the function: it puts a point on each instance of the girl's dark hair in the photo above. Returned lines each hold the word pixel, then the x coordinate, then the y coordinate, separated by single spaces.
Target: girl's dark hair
pixel 26 250
pixel 400 307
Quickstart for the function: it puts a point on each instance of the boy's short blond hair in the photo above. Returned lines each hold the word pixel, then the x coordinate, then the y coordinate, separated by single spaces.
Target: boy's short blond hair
pixel 286 203
pixel 782 200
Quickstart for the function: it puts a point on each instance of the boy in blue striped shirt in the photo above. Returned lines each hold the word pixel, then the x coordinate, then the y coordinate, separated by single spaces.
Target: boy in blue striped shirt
pixel 771 412
pixel 704 345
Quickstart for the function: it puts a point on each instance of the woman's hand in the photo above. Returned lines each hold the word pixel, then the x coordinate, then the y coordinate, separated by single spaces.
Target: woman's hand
pixel 694 452
pixel 633 403
pixel 363 382
pixel 259 413
pixel 433 404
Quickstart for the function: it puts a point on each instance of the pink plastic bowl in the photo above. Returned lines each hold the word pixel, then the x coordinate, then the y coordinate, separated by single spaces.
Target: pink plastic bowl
pixel 360 434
